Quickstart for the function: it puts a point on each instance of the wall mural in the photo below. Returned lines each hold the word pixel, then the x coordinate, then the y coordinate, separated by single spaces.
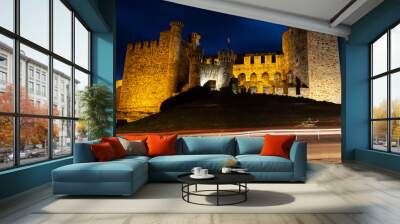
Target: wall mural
pixel 183 69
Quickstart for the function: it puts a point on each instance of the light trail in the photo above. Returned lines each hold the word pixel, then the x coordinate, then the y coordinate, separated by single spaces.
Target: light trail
pixel 297 132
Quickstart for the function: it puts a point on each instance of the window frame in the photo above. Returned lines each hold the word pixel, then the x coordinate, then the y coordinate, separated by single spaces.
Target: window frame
pixel 388 74
pixel 16 114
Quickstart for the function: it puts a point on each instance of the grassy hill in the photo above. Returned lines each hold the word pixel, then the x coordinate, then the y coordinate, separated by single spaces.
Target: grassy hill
pixel 202 109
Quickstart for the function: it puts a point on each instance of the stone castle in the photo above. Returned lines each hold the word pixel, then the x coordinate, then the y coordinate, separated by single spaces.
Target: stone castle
pixel 157 70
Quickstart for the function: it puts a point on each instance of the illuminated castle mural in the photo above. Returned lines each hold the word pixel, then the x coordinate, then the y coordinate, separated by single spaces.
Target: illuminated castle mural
pixel 157 70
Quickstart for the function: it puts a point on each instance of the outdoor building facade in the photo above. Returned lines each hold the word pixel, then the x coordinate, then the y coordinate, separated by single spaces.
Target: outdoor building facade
pixel 34 82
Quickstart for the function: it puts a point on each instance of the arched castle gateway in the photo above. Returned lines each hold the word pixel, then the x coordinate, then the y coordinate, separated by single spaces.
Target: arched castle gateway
pixel 154 71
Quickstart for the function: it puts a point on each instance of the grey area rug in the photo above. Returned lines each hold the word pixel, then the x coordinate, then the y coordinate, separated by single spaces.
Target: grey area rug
pixel 166 198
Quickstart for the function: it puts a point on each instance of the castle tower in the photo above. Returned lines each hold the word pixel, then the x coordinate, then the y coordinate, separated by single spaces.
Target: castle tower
pixel 226 58
pixel 323 67
pixel 294 47
pixel 313 60
pixel 151 73
pixel 176 27
pixel 195 40
pixel 175 54
pixel 195 57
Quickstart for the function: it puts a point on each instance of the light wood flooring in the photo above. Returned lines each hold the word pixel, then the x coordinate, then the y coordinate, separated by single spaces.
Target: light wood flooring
pixel 324 152
pixel 379 190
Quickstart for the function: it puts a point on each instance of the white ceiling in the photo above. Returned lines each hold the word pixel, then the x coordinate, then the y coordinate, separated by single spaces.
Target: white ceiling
pixel 320 9
pixel 315 15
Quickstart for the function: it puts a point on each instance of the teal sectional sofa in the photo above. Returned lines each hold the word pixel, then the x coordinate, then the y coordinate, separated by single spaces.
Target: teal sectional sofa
pixel 125 176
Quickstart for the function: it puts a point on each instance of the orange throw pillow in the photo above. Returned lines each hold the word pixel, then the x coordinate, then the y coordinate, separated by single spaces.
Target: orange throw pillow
pixel 161 145
pixel 277 145
pixel 103 152
pixel 116 145
pixel 135 137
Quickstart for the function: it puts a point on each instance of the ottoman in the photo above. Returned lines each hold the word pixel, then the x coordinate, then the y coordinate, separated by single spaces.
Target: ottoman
pixel 119 177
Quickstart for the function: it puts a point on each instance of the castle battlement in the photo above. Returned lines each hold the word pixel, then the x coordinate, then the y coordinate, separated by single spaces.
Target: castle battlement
pixel 263 53
pixel 210 60
pixel 177 24
pixel 138 47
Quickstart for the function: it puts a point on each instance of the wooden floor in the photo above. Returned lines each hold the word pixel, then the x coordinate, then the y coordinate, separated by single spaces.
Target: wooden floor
pixel 379 190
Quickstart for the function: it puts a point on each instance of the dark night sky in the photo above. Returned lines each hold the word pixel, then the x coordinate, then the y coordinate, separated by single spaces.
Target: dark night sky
pixel 139 20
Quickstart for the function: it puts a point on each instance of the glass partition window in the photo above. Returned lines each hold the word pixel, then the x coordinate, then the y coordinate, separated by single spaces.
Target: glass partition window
pixel 81 82
pixel 6 74
pixel 81 45
pixel 36 100
pixel 7 14
pixel 34 21
pixel 379 132
pixel 33 140
pixel 385 91
pixel 379 97
pixel 379 56
pixel 62 137
pixel 62 30
pixel 395 47
pixel 6 142
pixel 62 89
pixel 40 80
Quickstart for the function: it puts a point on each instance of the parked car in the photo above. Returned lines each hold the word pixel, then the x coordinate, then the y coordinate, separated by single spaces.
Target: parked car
pixel 22 155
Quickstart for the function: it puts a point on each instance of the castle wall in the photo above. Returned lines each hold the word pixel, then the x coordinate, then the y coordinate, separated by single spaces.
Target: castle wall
pixel 195 57
pixel 294 46
pixel 323 67
pixel 118 87
pixel 194 71
pixel 305 92
pixel 212 72
pixel 151 73
pixel 264 74
pixel 218 69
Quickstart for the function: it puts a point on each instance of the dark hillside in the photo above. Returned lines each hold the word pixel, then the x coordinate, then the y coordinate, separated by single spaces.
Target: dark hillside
pixel 202 109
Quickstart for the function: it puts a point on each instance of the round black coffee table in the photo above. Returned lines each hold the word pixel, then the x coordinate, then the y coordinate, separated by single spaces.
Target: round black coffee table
pixel 238 179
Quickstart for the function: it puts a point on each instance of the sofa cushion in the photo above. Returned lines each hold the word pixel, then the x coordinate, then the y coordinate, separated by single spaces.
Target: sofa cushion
pixel 112 171
pixel 257 163
pixel 133 137
pixel 134 147
pixel 83 152
pixel 160 145
pixel 104 152
pixel 133 157
pixel 207 145
pixel 185 163
pixel 116 145
pixel 249 145
pixel 277 145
